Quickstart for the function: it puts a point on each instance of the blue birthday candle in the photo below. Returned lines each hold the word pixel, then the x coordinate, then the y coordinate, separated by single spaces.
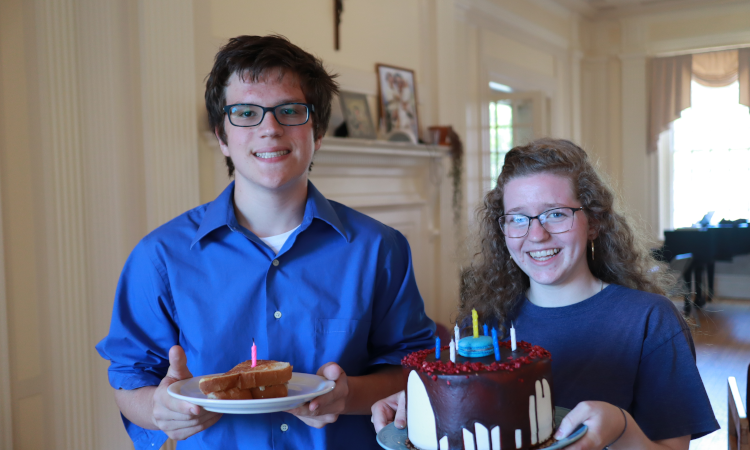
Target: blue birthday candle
pixel 485 330
pixel 437 349
pixel 496 345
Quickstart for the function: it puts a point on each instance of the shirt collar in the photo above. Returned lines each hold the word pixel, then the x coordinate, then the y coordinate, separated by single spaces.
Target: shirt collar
pixel 220 212
pixel 318 207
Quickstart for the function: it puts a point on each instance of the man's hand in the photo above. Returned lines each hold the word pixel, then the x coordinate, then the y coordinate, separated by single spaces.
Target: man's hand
pixel 390 409
pixel 177 418
pixel 326 409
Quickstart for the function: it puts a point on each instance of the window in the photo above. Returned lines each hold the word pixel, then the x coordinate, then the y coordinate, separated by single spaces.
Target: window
pixel 501 135
pixel 711 157
pixel 514 119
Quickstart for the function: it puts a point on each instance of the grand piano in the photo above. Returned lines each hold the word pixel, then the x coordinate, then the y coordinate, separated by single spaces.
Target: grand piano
pixel 707 245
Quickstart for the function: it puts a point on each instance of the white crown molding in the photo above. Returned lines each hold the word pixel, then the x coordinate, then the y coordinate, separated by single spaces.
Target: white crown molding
pixel 502 21
pixel 696 11
pixel 700 44
pixel 636 40
pixel 688 7
pixel 581 7
pixel 555 7
pixel 644 9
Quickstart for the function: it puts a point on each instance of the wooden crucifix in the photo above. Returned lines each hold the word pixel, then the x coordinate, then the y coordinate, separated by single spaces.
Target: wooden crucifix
pixel 338 8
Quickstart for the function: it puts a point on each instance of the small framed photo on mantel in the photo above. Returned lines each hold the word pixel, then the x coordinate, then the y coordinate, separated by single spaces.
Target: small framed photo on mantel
pixel 398 99
pixel 357 115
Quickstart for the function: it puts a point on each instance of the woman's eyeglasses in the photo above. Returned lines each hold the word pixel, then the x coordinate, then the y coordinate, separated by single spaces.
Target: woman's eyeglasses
pixel 555 221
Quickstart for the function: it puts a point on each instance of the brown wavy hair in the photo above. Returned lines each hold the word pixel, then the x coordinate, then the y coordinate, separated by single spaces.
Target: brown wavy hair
pixel 494 284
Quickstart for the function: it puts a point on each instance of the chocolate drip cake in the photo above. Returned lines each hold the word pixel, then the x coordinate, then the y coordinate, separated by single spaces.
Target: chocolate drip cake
pixel 480 403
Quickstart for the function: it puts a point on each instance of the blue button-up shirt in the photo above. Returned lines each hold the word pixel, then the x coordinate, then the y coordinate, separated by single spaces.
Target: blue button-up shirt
pixel 341 289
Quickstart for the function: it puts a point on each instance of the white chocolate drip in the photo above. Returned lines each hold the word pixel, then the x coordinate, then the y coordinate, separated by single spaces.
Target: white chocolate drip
pixel 483 437
pixel 420 416
pixel 543 410
pixel 495 436
pixel 532 419
pixel 468 440
pixel 519 442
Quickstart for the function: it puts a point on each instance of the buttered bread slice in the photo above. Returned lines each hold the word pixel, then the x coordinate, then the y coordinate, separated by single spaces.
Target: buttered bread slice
pixel 275 391
pixel 243 376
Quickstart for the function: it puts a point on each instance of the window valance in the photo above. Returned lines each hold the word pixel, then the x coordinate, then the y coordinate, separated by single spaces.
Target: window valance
pixel 671 77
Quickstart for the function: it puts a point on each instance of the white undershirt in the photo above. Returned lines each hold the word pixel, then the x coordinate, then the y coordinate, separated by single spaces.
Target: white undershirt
pixel 276 242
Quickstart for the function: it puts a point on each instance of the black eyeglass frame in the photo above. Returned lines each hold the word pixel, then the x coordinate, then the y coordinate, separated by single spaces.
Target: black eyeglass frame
pixel 537 217
pixel 228 111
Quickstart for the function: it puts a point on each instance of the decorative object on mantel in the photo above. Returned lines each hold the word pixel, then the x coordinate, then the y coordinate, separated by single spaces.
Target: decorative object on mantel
pixel 357 119
pixel 398 99
pixel 447 136
pixel 401 136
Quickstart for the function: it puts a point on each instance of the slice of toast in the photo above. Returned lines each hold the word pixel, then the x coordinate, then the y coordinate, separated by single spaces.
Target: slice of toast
pixel 244 376
pixel 275 391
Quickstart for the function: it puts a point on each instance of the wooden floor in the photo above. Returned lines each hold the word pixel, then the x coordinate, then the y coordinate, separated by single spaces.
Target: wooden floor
pixel 722 343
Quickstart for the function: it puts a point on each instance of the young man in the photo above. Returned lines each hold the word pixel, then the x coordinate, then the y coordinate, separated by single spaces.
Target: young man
pixel 313 282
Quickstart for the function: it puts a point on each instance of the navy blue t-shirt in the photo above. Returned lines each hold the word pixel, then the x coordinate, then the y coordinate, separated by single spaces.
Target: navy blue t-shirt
pixel 628 348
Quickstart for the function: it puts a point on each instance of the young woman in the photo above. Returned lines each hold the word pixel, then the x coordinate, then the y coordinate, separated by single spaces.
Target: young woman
pixel 568 270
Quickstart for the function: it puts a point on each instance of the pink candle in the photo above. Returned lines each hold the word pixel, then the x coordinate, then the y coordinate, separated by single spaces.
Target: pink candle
pixel 254 352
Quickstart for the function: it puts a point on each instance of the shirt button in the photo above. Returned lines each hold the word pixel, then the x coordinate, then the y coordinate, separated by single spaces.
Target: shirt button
pixel 275 262
pixel 277 314
pixel 284 427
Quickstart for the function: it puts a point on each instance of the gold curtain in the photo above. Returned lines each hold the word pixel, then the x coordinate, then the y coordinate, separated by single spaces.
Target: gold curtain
pixel 715 69
pixel 670 94
pixel 743 69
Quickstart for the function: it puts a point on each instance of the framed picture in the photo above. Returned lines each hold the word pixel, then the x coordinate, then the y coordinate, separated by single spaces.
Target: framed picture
pixel 398 99
pixel 357 115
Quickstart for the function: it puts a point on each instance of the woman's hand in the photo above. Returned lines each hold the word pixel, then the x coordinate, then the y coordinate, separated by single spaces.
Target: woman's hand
pixel 608 425
pixel 389 409
pixel 605 423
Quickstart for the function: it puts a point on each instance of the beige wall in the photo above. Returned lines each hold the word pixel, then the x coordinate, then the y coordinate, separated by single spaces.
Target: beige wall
pixel 101 122
pixel 21 303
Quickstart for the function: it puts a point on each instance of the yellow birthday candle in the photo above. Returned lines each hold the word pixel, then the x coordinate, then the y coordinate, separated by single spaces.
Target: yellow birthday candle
pixel 475 322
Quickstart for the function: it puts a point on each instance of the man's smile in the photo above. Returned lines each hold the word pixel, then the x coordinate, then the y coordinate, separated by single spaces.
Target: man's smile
pixel 267 155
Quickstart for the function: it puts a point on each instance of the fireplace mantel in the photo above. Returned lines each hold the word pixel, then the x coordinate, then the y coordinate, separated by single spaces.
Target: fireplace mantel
pixel 382 148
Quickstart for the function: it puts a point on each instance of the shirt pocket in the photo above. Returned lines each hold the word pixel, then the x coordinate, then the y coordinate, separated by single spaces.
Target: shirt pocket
pixel 341 341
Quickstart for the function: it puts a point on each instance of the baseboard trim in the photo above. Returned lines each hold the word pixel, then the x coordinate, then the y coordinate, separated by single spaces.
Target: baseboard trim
pixel 732 286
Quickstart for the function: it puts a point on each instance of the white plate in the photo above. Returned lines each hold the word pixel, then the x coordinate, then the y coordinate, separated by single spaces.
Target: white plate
pixel 303 387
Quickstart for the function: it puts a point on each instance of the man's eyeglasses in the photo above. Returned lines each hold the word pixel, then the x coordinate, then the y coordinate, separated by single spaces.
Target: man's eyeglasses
pixel 555 221
pixel 287 114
